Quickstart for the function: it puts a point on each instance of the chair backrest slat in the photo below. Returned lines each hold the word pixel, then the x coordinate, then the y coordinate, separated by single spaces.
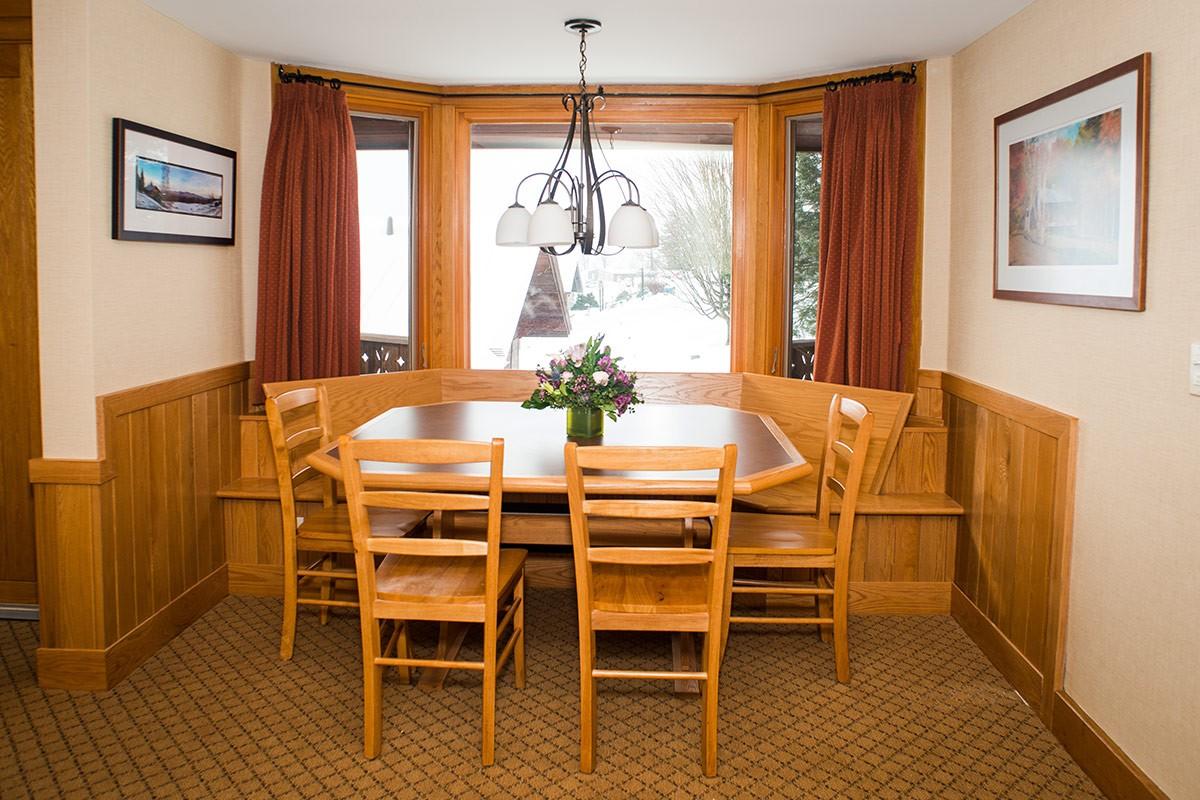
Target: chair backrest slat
pixel 650 509
pixel 427 547
pixel 425 501
pixel 650 459
pixel 649 555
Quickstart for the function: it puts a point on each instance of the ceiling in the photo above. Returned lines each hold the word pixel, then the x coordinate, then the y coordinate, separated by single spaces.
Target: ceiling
pixel 643 41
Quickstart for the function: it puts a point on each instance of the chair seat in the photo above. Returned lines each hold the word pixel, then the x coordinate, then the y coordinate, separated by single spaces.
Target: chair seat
pixel 329 528
pixel 779 534
pixel 437 579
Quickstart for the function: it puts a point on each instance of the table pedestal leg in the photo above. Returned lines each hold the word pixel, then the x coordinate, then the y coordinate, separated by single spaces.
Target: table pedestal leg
pixel 450 639
pixel 683 654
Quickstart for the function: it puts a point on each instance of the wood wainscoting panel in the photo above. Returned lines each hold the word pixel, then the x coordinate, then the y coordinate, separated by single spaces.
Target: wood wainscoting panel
pixel 1011 465
pixel 132 543
pixel 20 404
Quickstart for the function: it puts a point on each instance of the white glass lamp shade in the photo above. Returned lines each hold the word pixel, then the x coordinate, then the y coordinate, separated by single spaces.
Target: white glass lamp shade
pixel 550 226
pixel 633 227
pixel 513 228
pixel 654 226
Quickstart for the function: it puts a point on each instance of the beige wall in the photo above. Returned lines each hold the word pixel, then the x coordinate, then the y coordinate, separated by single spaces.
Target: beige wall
pixel 1133 640
pixel 935 247
pixel 119 314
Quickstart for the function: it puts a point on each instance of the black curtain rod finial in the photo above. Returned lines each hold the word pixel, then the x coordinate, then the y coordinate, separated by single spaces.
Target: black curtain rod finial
pixel 300 77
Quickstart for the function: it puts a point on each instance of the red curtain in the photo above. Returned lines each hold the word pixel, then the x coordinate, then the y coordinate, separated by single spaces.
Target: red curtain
pixel 868 235
pixel 308 270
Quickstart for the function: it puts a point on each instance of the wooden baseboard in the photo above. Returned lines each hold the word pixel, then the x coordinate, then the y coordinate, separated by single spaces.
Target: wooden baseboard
pixel 256 580
pixel 99 670
pixel 19 592
pixel 900 597
pixel 1015 668
pixel 1101 758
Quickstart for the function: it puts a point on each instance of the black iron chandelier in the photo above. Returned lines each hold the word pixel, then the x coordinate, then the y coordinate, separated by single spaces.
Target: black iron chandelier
pixel 558 230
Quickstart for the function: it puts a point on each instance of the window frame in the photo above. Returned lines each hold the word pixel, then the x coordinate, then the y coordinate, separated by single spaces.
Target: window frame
pixel 792 151
pixel 621 110
pixel 413 212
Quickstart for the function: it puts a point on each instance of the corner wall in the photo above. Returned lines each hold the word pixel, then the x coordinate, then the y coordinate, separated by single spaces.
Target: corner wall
pixel 117 314
pixel 1132 639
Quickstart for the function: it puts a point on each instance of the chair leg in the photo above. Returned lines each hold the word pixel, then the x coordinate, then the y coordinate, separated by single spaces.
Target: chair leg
pixel 841 619
pixel 372 689
pixel 587 703
pixel 727 608
pixel 519 630
pixel 489 694
pixel 712 666
pixel 287 637
pixel 327 587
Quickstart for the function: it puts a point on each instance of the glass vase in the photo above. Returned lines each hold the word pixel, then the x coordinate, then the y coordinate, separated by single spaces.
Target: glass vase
pixel 585 423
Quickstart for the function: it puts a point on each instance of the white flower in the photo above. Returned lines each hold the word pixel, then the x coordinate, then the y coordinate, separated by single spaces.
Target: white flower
pixel 576 352
pixel 600 377
pixel 567 376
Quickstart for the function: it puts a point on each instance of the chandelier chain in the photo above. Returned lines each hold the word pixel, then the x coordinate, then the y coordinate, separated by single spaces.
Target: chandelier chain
pixel 582 60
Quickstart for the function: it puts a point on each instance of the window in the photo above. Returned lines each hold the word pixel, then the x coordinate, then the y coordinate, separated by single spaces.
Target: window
pixel 805 143
pixel 384 147
pixel 666 308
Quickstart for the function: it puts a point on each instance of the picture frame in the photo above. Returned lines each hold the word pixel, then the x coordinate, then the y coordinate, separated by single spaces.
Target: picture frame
pixel 1070 193
pixel 170 188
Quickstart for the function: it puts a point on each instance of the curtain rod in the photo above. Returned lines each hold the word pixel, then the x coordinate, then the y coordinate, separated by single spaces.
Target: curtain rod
pixel 890 74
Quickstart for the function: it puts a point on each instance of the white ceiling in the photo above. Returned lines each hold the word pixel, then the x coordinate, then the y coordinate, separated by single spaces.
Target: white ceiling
pixel 653 41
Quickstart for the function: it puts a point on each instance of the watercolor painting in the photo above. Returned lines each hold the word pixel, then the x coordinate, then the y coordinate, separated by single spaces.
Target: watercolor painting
pixel 1064 194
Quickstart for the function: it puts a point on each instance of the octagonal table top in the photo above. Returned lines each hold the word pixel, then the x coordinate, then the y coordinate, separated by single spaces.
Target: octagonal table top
pixel 534 440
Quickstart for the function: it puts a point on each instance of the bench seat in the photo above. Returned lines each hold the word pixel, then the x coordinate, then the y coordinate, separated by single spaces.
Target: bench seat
pixel 801 498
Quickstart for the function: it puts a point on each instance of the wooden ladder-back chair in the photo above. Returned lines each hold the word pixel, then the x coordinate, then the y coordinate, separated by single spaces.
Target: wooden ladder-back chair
pixel 677 589
pixel 439 579
pixel 299 424
pixel 799 541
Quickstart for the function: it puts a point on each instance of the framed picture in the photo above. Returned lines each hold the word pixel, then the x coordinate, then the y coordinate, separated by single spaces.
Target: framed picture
pixel 169 188
pixel 1071 193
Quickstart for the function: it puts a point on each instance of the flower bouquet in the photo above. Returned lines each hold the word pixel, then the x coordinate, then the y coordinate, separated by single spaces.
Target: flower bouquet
pixel 586 380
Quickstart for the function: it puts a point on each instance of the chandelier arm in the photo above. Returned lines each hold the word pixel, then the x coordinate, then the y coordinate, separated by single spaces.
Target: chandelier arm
pixel 517 193
pixel 560 164
pixel 552 252
pixel 614 174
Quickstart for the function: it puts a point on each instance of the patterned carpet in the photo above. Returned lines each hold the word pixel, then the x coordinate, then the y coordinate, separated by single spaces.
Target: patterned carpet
pixel 216 714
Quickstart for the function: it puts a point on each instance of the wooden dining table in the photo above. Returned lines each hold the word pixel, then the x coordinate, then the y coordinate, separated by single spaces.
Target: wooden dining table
pixel 533 447
pixel 533 460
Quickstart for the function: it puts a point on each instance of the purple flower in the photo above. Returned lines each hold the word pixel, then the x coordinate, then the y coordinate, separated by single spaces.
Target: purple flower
pixel 581 385
pixel 622 376
pixel 622 401
pixel 604 363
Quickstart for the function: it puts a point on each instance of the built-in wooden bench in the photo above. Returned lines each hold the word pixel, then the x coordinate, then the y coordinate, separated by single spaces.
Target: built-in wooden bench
pixel 801 498
pixel 902 559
